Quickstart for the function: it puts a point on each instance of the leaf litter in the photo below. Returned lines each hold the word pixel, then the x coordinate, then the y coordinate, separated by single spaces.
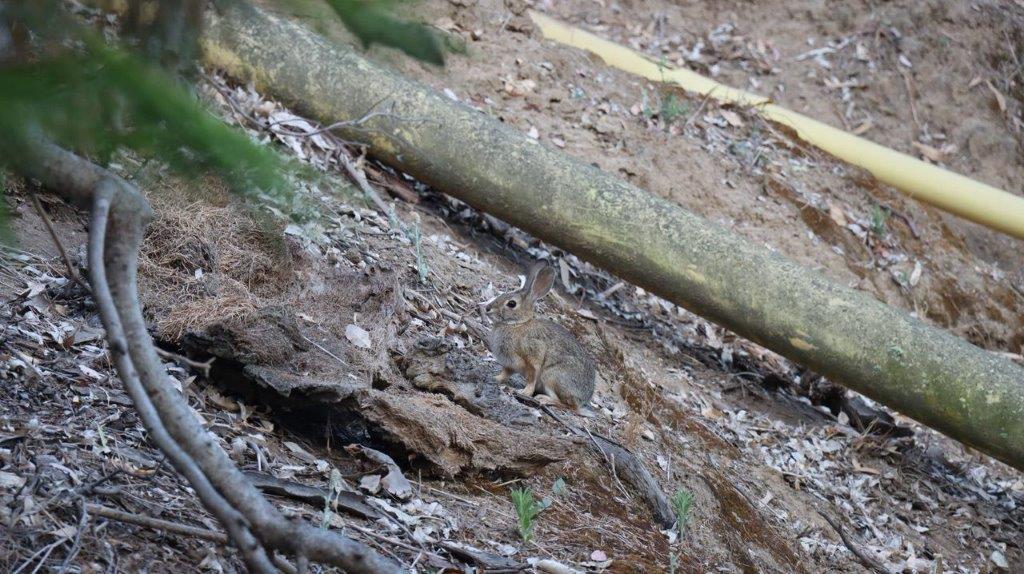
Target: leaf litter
pixel 919 503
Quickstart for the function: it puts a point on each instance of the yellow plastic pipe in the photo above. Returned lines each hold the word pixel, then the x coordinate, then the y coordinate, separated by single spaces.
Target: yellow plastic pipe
pixel 957 194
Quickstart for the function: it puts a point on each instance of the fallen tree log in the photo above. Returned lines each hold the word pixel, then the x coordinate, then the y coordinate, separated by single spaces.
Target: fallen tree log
pixel 924 372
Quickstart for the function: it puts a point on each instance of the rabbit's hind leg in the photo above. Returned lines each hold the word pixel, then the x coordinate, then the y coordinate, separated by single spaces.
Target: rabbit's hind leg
pixel 547 399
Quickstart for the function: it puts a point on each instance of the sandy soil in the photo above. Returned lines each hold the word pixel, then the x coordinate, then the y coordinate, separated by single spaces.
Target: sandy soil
pixel 750 177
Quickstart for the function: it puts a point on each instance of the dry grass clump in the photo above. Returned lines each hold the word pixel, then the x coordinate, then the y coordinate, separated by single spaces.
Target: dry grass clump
pixel 206 260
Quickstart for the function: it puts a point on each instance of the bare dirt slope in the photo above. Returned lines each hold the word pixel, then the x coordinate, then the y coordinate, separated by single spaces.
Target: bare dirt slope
pixel 910 75
pixel 352 327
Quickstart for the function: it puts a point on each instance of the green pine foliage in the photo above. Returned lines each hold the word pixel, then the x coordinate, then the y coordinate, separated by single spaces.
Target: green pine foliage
pixel 98 97
pixel 98 100
pixel 373 23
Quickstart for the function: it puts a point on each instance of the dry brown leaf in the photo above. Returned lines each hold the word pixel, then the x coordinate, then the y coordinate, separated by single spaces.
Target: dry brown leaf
pixel 865 469
pixel 519 88
pixel 928 152
pixel 1000 99
pixel 837 215
pixel 863 127
pixel 733 118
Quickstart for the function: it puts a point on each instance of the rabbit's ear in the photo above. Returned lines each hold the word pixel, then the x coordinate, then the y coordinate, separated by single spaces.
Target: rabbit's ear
pixel 540 280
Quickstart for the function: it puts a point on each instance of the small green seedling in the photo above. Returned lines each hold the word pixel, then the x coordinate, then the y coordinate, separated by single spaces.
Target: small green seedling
pixel 417 241
pixel 527 509
pixel 879 216
pixel 682 501
pixel 672 108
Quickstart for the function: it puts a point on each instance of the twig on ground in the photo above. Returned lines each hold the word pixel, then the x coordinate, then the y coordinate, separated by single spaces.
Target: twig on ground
pixel 157 524
pixel 370 114
pixel 869 562
pixel 60 246
pixel 359 178
pixel 697 112
pixel 83 523
pixel 202 366
pixel 620 459
pixel 324 350
pixel 396 542
pixel 610 460
pixel 173 528
pixel 43 554
pixel 910 96
pixel 448 494
pixel 1016 60
pixel 910 224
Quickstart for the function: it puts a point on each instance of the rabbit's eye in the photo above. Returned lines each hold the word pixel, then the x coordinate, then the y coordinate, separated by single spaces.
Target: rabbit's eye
pixel 511 304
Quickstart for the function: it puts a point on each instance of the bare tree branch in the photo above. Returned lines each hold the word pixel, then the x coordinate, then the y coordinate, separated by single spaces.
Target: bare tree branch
pixel 119 216
pixel 867 560
pixel 72 271
pixel 105 191
pixel 158 524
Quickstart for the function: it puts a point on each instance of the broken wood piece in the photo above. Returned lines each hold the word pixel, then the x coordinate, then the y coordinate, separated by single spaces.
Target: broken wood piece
pixel 350 502
pixel 629 467
pixel 261 354
pixel 453 440
pixel 157 524
pixel 485 561
pixel 869 562
pixel 440 366
pixel 394 482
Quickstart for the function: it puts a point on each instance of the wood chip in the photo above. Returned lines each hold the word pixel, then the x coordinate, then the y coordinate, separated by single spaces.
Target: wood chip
pixel 863 127
pixel 733 118
pixel 837 215
pixel 1000 99
pixel 928 152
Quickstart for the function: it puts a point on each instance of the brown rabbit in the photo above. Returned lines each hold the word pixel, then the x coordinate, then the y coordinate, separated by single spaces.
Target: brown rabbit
pixel 554 364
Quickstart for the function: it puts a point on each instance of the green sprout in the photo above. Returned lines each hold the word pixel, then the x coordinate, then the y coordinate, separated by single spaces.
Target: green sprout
pixel 527 509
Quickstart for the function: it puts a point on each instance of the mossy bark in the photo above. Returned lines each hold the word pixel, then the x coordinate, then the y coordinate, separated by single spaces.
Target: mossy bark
pixel 924 372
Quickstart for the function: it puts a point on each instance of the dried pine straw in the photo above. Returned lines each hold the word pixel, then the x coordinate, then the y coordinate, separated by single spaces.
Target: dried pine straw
pixel 202 262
